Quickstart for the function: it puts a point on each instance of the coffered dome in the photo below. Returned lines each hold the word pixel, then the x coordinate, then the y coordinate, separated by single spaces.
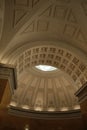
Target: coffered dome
pixel 53 90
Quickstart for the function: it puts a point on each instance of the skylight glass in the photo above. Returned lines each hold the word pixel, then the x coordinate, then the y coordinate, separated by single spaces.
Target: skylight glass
pixel 46 67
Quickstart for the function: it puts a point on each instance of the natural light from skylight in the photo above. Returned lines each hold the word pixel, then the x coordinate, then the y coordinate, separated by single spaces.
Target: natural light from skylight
pixel 46 67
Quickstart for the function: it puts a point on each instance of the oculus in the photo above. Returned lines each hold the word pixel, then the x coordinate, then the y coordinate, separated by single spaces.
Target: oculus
pixel 45 68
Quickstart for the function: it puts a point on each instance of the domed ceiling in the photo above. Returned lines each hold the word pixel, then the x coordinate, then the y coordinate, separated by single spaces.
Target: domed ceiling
pixel 45 91
pixel 45 32
pixel 48 90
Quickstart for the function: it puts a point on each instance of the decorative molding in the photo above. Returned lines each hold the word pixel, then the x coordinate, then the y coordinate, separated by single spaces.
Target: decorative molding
pixel 35 2
pixel 21 8
pixel 19 14
pixel 71 17
pixel 42 25
pixel 60 11
pixel 24 3
pixel 30 28
pixel 44 115
pixel 80 36
pixel 70 30
pixel 63 1
pixel 47 12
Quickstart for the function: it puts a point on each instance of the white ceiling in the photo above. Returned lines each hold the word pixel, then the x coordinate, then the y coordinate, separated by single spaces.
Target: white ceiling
pixel 33 24
pixel 27 21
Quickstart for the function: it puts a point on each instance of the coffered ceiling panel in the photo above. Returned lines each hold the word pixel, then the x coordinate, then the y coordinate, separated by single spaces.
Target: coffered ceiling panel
pixel 19 13
pixel 57 18
pixel 58 57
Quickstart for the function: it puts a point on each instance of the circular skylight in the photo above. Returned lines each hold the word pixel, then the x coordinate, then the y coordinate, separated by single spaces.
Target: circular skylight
pixel 45 67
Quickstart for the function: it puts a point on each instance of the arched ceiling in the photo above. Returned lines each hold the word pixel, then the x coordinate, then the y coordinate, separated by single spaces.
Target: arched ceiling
pixel 51 32
pixel 40 20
